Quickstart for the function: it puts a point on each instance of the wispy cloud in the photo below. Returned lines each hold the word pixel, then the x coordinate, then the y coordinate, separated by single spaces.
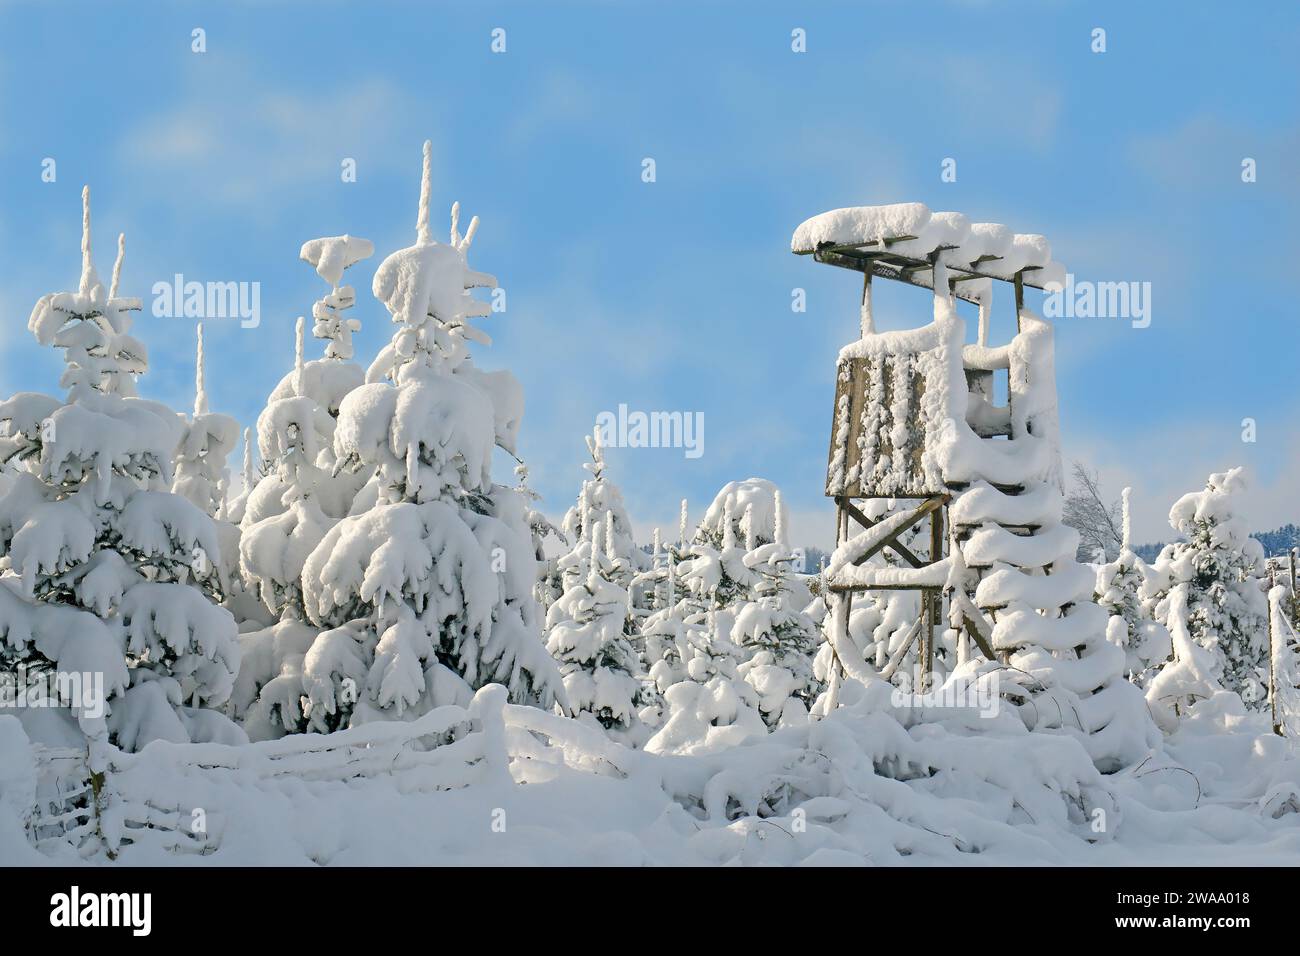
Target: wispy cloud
pixel 249 142
pixel 1205 153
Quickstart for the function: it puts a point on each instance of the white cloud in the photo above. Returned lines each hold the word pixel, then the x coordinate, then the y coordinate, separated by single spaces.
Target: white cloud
pixel 240 142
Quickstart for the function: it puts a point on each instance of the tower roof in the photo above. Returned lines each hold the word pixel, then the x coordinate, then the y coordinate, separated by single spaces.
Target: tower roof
pixel 902 240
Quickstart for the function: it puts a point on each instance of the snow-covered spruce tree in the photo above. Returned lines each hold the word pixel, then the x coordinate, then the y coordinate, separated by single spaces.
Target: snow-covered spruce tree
pixel 301 496
pixel 201 474
pixel 549 587
pixel 665 647
pixel 303 492
pixel 426 588
pixel 775 629
pixel 1146 643
pixel 587 632
pixel 236 504
pixel 1190 675
pixel 716 575
pixel 243 598
pixel 1216 569
pixel 712 704
pixel 202 478
pixel 600 502
pixel 591 628
pixel 109 572
pixel 742 587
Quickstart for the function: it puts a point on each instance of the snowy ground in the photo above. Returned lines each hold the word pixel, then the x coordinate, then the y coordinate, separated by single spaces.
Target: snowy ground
pixel 857 788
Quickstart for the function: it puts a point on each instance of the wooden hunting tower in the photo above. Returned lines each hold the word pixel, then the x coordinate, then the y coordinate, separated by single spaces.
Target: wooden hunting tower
pixel 918 435
pixel 912 409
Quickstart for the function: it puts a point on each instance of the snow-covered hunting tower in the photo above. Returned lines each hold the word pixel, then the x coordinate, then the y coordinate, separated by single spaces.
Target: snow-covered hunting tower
pixel 918 436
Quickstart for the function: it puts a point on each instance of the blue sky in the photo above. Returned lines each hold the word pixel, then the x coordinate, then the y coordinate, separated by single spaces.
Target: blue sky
pixel 676 294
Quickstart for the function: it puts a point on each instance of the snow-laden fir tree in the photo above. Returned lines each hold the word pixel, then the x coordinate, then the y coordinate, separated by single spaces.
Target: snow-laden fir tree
pixel 236 504
pixel 716 583
pixel 1146 643
pixel 300 497
pixel 201 473
pixel 600 502
pixel 587 631
pixel 664 636
pixel 1208 585
pixel 202 478
pixel 591 627
pixel 243 597
pixel 773 626
pixel 304 492
pixel 709 702
pixel 716 576
pixel 110 573
pixel 425 591
pixel 549 586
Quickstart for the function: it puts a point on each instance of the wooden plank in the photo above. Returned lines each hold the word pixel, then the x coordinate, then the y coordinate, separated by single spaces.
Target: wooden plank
pixel 1020 297
pixel 976 625
pixel 894 545
pixel 871 379
pixel 927 507
pixel 980 642
pixel 885 271
pixel 842 588
pixel 858 259
pixel 843 382
pixel 929 605
pixel 892 664
pixel 936 552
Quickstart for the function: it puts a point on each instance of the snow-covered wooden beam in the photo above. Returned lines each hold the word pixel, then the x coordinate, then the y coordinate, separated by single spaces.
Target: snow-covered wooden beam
pixel 900 242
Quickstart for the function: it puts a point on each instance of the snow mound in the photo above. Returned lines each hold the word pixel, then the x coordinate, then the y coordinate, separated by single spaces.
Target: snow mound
pixel 870 784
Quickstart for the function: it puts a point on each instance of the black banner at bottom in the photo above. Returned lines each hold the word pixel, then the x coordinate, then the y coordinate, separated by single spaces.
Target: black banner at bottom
pixel 220 905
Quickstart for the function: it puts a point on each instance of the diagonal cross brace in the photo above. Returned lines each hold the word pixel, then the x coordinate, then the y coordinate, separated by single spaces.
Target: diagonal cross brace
pixel 892 542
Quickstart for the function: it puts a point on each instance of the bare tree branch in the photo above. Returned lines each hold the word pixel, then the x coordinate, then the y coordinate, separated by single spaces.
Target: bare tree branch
pixel 1088 512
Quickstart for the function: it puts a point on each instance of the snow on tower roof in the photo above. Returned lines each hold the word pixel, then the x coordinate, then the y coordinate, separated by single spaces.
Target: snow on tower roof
pixel 898 232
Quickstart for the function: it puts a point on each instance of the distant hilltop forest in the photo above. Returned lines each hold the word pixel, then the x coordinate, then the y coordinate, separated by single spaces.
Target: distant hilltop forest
pixel 1276 542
